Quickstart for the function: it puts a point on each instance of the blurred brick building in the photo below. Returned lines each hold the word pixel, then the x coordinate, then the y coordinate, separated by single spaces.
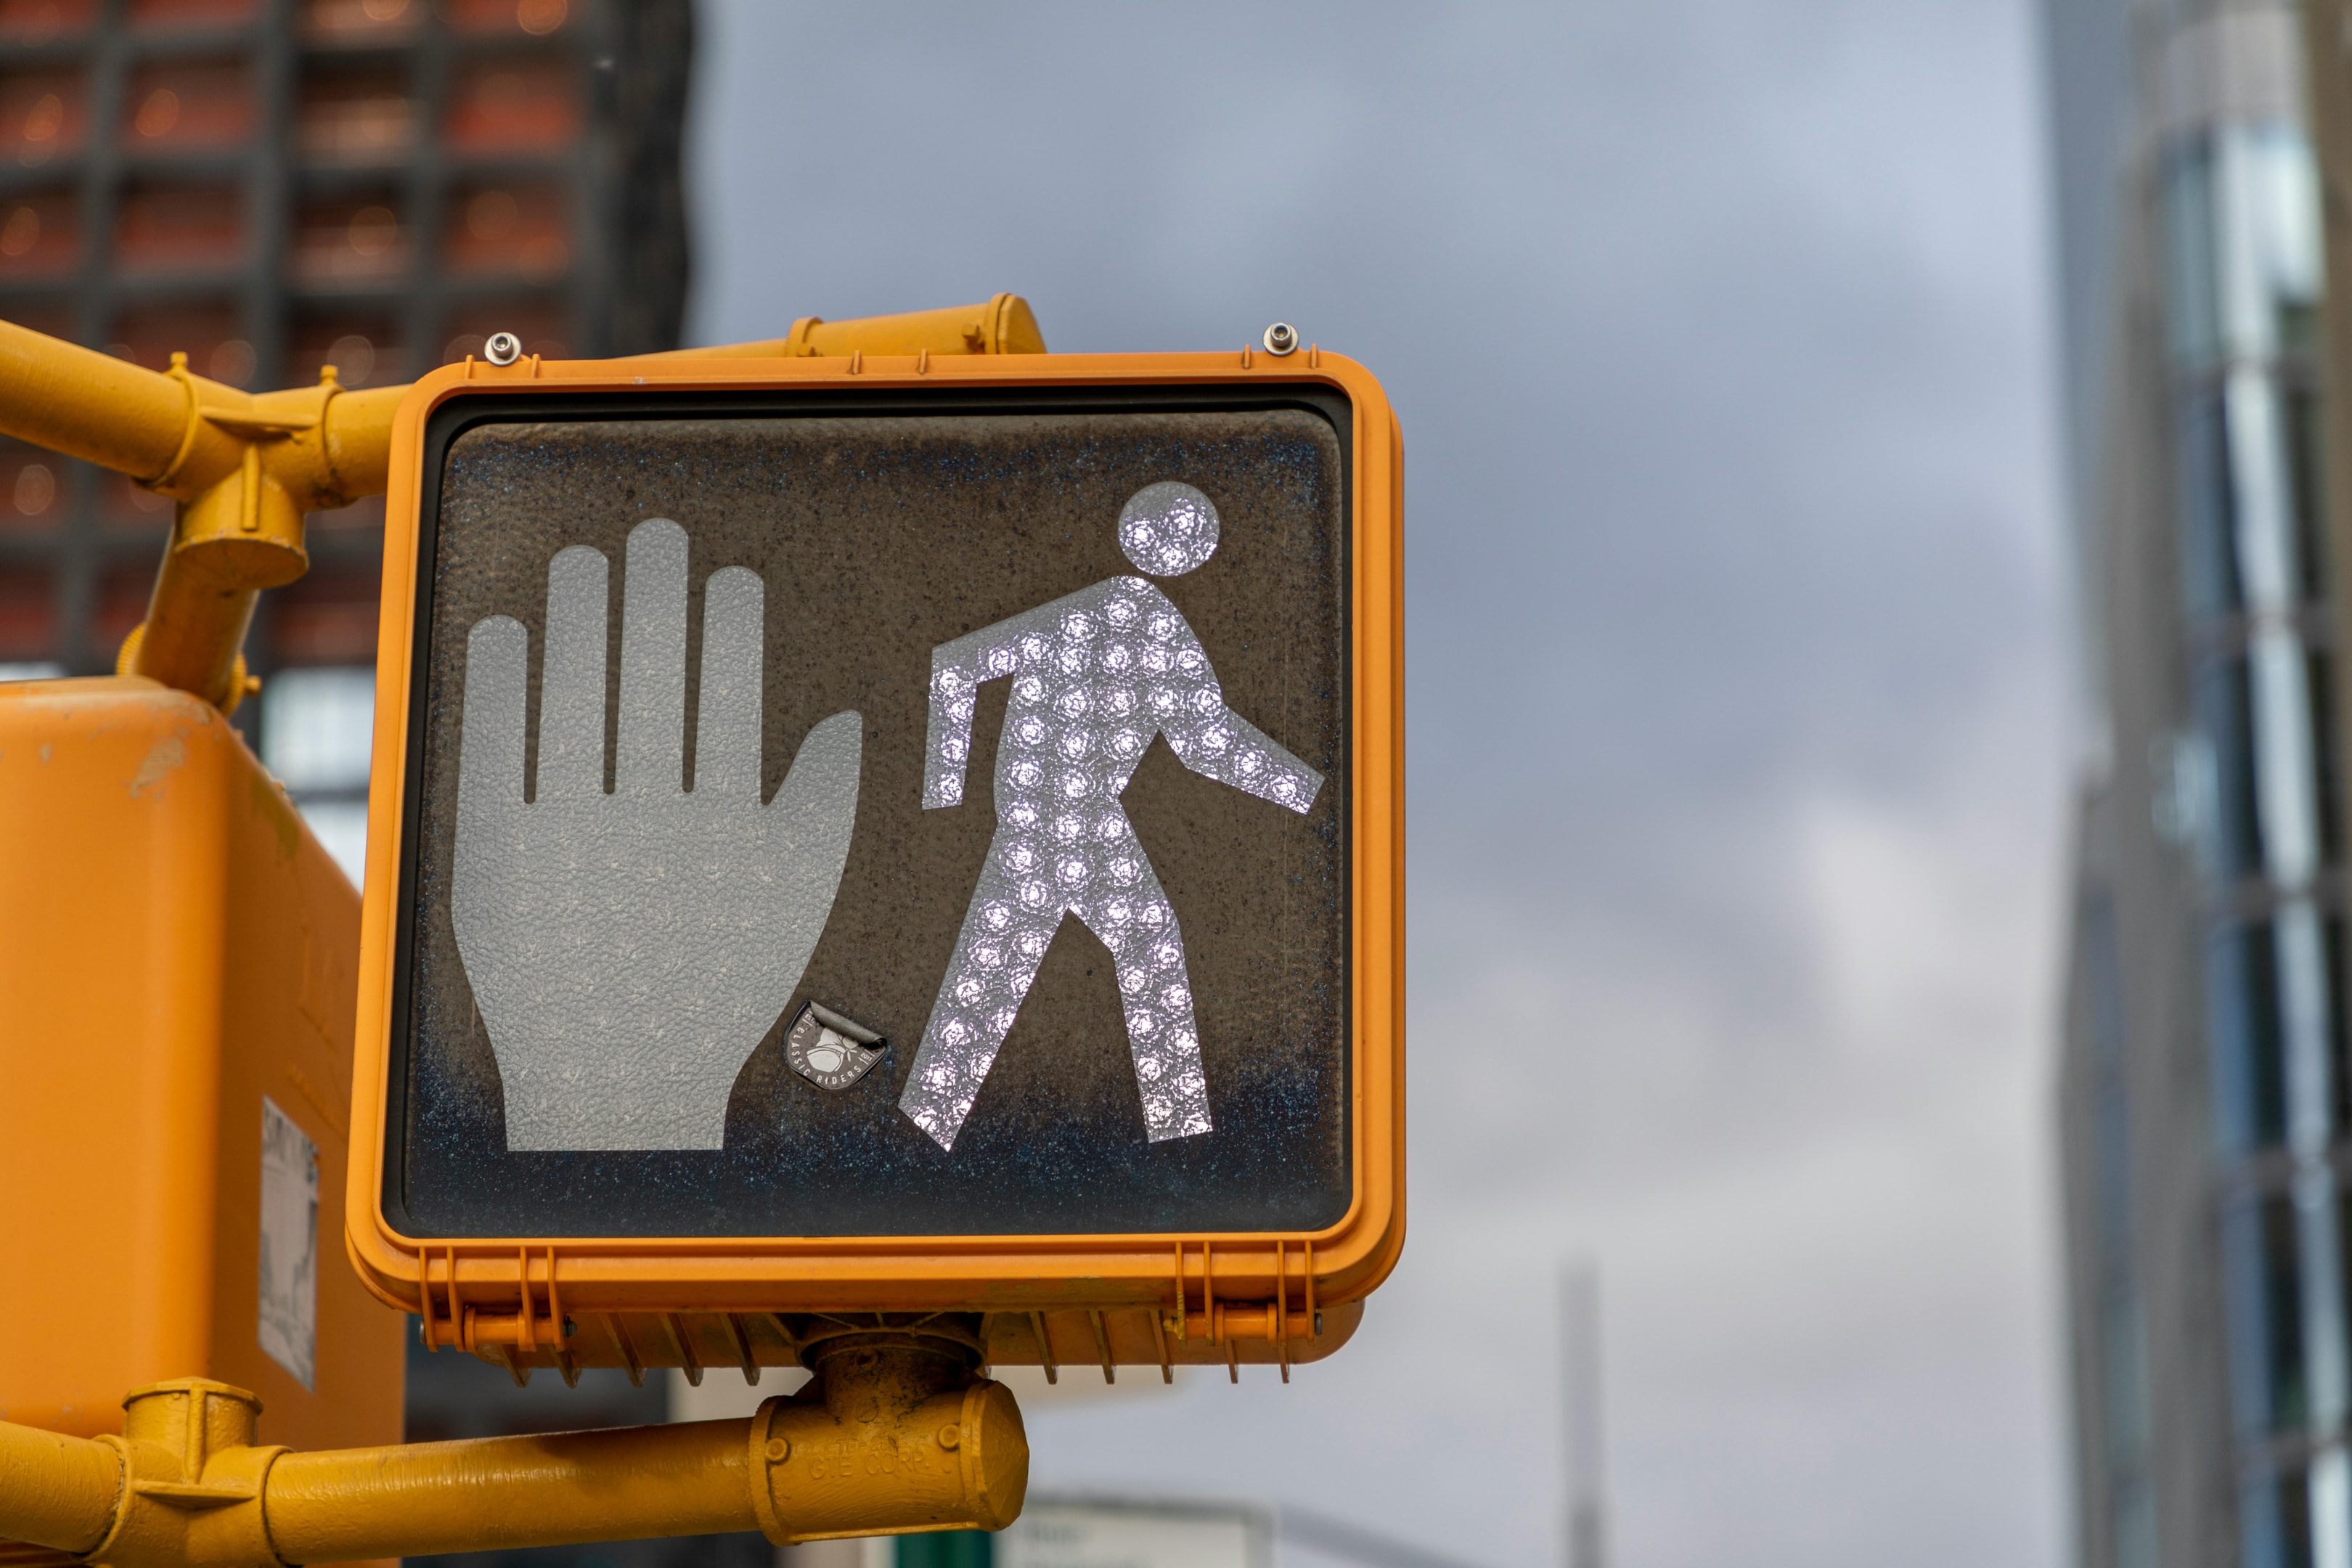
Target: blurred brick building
pixel 272 186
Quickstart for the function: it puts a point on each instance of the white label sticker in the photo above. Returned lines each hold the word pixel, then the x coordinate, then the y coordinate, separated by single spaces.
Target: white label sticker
pixel 289 1244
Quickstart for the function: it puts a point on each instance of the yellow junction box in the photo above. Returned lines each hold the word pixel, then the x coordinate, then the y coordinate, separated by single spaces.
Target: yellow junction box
pixel 176 954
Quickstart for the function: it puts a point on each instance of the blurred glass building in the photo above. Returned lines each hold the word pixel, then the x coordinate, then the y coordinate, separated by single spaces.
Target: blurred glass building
pixel 268 186
pixel 2205 1100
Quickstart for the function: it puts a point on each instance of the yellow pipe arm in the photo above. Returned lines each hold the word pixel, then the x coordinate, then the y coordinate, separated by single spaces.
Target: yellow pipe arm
pixel 491 1494
pixel 246 468
pixel 889 1440
pixel 87 406
pixel 56 1490
pixel 179 434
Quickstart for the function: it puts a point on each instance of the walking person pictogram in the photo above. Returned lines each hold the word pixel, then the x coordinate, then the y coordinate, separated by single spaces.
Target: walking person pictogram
pixel 1095 676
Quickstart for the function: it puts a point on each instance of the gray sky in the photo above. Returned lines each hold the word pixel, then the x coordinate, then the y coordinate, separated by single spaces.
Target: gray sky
pixel 1717 332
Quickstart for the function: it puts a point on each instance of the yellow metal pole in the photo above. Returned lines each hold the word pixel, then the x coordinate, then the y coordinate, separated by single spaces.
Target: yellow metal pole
pixel 495 1493
pixel 86 404
pixel 57 1491
pixel 892 1437
pixel 246 467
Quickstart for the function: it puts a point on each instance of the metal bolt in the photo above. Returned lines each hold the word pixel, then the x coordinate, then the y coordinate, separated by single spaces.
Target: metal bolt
pixel 505 348
pixel 778 1450
pixel 1281 338
pixel 950 1436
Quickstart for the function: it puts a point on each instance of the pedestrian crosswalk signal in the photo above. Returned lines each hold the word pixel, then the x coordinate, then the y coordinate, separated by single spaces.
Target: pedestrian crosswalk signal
pixel 862 836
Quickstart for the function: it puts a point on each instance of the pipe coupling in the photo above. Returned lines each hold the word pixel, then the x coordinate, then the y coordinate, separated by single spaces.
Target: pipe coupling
pixel 956 1459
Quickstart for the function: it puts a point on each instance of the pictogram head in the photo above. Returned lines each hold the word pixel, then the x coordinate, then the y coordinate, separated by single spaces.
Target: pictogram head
pixel 1168 529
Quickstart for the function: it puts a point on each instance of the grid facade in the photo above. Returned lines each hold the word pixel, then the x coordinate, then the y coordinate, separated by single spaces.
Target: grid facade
pixel 272 186
pixel 2205 1087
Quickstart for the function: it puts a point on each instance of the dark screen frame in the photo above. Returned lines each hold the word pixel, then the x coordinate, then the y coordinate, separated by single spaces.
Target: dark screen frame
pixel 454 417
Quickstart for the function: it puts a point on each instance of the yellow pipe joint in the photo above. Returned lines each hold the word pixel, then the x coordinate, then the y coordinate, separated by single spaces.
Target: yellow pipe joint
pixel 891 1438
pixel 246 468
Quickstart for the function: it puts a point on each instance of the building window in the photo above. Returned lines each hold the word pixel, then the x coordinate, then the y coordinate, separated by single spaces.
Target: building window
pixel 2133 1510
pixel 2258 710
pixel 2306 459
pixel 511 106
pixel 2274 1519
pixel 2282 1315
pixel 2248 458
pixel 173 15
pixel 362 21
pixel 363 345
pixel 2244 256
pixel 2319 691
pixel 2249 1037
pixel 2209 553
pixel 509 229
pixel 180 228
pixel 2339 1036
pixel 355 116
pixel 2226 709
pixel 40 235
pixel 188 106
pixel 2263 1287
pixel 43 115
pixel 349 242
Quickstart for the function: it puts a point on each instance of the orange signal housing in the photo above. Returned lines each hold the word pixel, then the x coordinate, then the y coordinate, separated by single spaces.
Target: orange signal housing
pixel 1129 1298
pixel 174 946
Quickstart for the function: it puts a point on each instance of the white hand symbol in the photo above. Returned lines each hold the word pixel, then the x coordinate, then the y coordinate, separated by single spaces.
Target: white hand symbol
pixel 628 951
